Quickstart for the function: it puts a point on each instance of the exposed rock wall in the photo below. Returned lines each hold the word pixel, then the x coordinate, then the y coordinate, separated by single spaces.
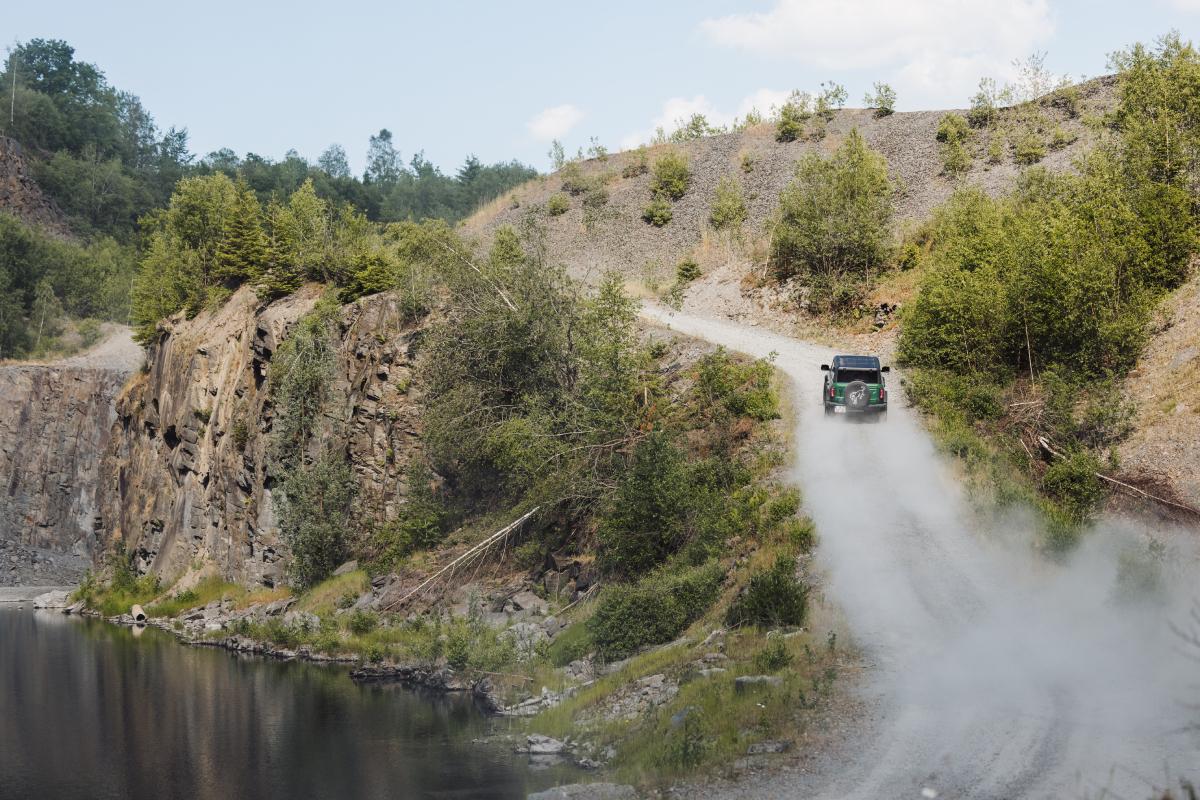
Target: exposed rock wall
pixel 55 423
pixel 184 484
pixel 19 193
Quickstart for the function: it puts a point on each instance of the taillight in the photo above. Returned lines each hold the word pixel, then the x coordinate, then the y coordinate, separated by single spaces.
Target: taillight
pixel 882 394
pixel 831 391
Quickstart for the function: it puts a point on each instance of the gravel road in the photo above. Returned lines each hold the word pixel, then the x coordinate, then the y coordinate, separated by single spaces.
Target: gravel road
pixel 993 672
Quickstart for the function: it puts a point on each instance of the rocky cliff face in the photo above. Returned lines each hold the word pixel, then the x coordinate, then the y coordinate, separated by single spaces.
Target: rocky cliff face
pixel 55 423
pixel 19 193
pixel 184 484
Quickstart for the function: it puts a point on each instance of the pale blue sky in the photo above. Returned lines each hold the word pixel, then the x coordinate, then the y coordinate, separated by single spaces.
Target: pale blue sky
pixel 499 79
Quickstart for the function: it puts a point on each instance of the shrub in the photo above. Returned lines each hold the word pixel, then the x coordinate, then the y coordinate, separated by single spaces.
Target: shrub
pixel 832 97
pixel 646 523
pixel 984 104
pixel 314 516
pixel 1059 138
pixel 671 176
pixel 655 610
pixel 910 257
pixel 952 128
pixel 728 210
pixel 955 159
pixel 240 432
pixel 557 205
pixel 747 163
pixel 883 99
pixel 774 657
pixel 1072 482
pixel 772 599
pixel 836 215
pixel 636 165
pixel 792 116
pixel 658 213
pixel 687 271
pixel 574 182
pixel 1029 149
pixel 995 148
pixel 362 622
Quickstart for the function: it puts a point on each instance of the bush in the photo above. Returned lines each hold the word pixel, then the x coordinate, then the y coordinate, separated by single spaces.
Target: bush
pixel 646 523
pixel 655 610
pixel 883 100
pixel 728 210
pixel 910 257
pixel 314 516
pixel 836 215
pixel 637 164
pixel 952 128
pixel 955 159
pixel 557 205
pixel 687 271
pixel 658 213
pixel 671 176
pixel 1072 482
pixel 1029 149
pixel 774 657
pixel 361 622
pixel 773 598
pixel 995 148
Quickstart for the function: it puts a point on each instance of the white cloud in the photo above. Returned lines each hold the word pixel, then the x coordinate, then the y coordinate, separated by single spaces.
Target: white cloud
pixel 678 110
pixel 555 122
pixel 932 49
pixel 1189 6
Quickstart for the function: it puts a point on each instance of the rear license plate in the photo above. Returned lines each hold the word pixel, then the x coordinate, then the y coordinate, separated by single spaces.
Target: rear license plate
pixel 839 409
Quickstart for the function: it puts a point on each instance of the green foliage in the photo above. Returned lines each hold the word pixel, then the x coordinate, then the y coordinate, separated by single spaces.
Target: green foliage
pixel 571 644
pixel 637 164
pixel 44 279
pixel 835 217
pixel 362 622
pixel 744 389
pixel 792 116
pixel 670 177
pixel 658 213
pixel 728 208
pixel 1063 269
pixel 831 98
pixel 953 128
pixel 315 516
pixel 299 383
pixel 1072 481
pixel 1028 148
pixel 774 657
pixel 773 598
pixel 955 159
pixel 557 205
pixel 882 99
pixel 655 610
pixel 420 522
pixel 687 270
pixel 985 104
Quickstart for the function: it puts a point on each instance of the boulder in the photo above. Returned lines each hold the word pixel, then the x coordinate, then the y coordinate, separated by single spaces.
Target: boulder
pixel 544 745
pixel 348 567
pixel 52 599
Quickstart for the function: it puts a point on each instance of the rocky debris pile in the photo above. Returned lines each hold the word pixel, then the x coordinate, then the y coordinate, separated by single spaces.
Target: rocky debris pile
pixel 55 598
pixel 25 565
pixel 641 696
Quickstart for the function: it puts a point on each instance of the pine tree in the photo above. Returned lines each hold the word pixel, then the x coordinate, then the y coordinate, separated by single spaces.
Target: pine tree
pixel 242 253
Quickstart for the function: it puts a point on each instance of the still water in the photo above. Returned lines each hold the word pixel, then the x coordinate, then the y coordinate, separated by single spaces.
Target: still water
pixel 88 710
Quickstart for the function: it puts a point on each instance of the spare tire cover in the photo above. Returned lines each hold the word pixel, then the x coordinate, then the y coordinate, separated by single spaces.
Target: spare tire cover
pixel 857 395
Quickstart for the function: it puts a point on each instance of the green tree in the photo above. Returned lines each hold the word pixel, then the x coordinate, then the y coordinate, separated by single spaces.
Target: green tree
pixel 242 252
pixel 883 99
pixel 835 217
pixel 728 208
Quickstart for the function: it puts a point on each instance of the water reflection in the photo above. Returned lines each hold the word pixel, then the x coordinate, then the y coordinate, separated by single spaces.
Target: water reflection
pixel 87 711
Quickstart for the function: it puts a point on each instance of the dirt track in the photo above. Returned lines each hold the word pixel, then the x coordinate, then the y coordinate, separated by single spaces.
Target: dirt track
pixel 993 673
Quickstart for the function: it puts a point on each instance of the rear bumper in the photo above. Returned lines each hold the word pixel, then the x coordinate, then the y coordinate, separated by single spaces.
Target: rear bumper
pixel 870 409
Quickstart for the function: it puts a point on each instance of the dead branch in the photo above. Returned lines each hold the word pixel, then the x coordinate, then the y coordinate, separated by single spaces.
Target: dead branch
pixel 477 550
pixel 1046 447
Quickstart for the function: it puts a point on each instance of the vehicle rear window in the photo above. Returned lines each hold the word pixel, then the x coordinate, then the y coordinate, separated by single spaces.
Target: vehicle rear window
pixel 865 375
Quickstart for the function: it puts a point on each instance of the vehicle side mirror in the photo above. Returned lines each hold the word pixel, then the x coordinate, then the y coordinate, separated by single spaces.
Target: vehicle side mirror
pixel 824 368
pixel 886 369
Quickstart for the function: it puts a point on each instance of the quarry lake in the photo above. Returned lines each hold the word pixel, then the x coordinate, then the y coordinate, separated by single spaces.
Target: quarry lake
pixel 89 710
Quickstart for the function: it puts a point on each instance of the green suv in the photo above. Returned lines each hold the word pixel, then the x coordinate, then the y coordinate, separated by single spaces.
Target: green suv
pixel 855 385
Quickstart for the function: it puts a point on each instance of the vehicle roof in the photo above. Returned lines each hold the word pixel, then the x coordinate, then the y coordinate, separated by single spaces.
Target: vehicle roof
pixel 856 362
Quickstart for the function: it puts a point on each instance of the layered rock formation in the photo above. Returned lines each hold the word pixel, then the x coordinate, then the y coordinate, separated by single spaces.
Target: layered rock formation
pixel 184 484
pixel 19 193
pixel 55 423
